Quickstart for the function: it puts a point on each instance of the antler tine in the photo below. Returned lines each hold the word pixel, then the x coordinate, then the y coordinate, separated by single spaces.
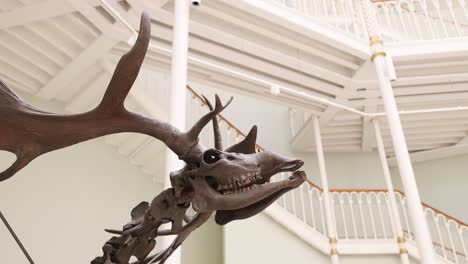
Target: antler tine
pixel 218 141
pixel 197 128
pixel 127 69
pixel 22 159
pixel 246 146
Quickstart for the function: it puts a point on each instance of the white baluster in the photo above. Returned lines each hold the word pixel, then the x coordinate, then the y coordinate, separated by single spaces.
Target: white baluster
pixel 441 19
pixel 369 206
pixel 462 241
pixel 345 14
pixel 391 214
pixel 322 214
pixel 405 216
pixel 361 18
pixel 402 21
pixel 335 15
pixel 415 19
pixel 343 214
pixel 293 200
pixel 452 244
pixel 353 218
pixel 379 208
pixel 352 16
pixel 428 20
pixel 454 17
pixel 364 229
pixel 439 234
pixel 301 189
pixel 311 191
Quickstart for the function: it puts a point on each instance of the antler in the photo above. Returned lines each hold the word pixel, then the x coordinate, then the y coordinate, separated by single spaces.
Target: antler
pixel 218 141
pixel 29 133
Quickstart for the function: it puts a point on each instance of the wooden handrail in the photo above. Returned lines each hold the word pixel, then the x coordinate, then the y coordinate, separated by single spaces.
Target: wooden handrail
pixel 221 117
pixel 312 184
pixel 438 245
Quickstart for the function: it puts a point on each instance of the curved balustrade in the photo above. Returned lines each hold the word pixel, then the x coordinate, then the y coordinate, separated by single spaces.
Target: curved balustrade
pixel 400 20
pixel 358 214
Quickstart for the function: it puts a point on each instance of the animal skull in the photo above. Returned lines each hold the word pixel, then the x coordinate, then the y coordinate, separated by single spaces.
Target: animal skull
pixel 237 184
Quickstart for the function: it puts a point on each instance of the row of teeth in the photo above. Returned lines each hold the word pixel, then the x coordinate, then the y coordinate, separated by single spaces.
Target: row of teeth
pixel 246 189
pixel 239 182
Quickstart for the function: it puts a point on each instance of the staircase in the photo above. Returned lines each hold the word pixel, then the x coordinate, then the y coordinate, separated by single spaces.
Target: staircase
pixel 37 60
pixel 363 218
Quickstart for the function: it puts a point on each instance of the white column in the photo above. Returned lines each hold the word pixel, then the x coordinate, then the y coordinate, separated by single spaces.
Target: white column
pixel 331 229
pixel 177 95
pixel 417 218
pixel 395 215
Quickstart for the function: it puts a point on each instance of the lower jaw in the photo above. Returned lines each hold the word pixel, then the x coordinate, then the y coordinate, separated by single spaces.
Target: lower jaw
pixel 225 216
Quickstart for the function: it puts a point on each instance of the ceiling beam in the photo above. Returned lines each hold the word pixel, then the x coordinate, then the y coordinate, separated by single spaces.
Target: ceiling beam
pixel 463 141
pixel 88 57
pixel 303 25
pixel 104 25
pixel 35 12
pixel 434 154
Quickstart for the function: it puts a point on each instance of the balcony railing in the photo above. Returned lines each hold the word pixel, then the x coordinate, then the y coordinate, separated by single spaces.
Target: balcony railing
pixel 358 214
pixel 399 20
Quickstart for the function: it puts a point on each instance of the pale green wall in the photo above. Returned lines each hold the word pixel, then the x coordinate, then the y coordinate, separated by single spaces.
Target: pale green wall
pixel 262 240
pixel 205 245
pixel 60 204
pixel 443 184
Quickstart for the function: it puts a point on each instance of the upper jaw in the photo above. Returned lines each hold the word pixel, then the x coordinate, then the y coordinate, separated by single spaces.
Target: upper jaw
pixel 292 165
pixel 249 191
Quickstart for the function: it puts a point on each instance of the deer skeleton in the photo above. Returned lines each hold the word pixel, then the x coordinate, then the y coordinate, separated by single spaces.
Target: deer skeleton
pixel 233 183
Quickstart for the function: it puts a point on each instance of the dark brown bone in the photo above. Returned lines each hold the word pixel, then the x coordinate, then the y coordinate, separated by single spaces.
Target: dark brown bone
pixel 137 237
pixel 29 133
pixel 218 141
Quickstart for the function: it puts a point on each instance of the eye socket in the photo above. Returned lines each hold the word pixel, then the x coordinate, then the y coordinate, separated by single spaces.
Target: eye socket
pixel 211 156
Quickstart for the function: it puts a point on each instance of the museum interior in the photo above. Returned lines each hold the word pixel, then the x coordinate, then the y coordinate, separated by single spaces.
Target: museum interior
pixel 346 140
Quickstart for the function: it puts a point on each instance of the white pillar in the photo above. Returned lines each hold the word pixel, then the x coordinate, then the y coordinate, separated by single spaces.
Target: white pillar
pixel 177 96
pixel 395 215
pixel 331 229
pixel 417 218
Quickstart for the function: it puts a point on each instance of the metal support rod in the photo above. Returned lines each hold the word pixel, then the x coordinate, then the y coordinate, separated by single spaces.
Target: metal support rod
pixel 395 215
pixel 15 237
pixel 331 229
pixel 177 94
pixel 417 218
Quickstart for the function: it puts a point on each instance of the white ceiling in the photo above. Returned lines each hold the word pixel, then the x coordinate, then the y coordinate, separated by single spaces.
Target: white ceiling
pixel 65 49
